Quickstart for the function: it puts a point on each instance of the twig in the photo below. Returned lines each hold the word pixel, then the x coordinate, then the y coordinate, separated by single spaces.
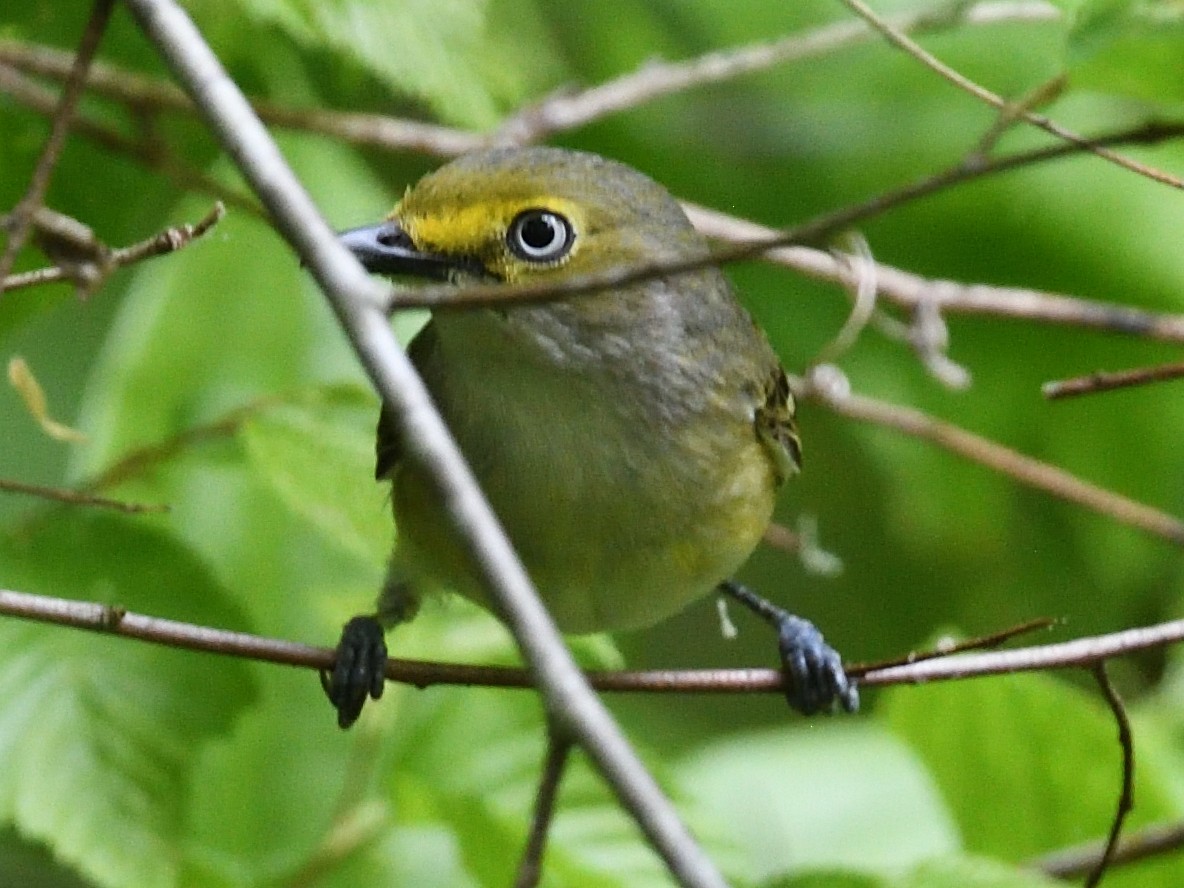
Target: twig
pixel 749 240
pixel 861 265
pixel 18 224
pixel 567 111
pixel 150 154
pixel 898 39
pixel 168 241
pixel 147 94
pixel 558 113
pixel 910 291
pixel 143 458
pixel 902 288
pixel 1025 469
pixel 355 299
pixel 530 868
pixel 1102 381
pixel 920 668
pixel 1126 796
pixel 1147 842
pixel 78 498
pixel 978 643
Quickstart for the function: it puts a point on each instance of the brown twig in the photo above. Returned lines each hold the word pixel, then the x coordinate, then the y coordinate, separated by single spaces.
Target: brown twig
pixel 530 868
pixel 561 112
pixel 566 111
pixel 978 643
pixel 149 153
pixel 899 287
pixel 22 214
pixel 1147 842
pixel 1082 652
pixel 167 241
pixel 1026 469
pixel 143 458
pixel 147 94
pixel 78 498
pixel 1102 381
pixel 900 40
pixel 1126 796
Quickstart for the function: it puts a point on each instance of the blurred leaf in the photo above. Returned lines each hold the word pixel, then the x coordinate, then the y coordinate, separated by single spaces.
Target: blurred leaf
pixel 952 872
pixel 323 470
pixel 1129 48
pixel 98 734
pixel 845 795
pixel 1045 751
pixel 437 51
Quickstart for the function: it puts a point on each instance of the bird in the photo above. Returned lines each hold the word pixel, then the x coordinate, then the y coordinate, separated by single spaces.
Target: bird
pixel 631 441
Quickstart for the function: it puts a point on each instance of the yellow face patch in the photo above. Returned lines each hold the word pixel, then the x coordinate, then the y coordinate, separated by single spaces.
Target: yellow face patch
pixel 478 230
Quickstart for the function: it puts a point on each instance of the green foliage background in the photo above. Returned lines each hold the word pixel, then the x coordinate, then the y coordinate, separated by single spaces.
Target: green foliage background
pixel 126 765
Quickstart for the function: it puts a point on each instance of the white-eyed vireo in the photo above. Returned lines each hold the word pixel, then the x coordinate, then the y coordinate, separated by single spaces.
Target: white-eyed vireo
pixel 631 441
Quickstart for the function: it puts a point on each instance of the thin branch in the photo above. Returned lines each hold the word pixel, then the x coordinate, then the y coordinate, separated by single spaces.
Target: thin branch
pixel 167 241
pixel 143 458
pixel 911 292
pixel 566 111
pixel 148 94
pixel 78 498
pixel 19 222
pixel 902 288
pixel 947 649
pixel 530 868
pixel 1150 841
pixel 861 266
pixel 749 240
pixel 355 298
pixel 561 112
pixel 898 39
pixel 150 154
pixel 1102 381
pixel 1126 796
pixel 918 668
pixel 1025 469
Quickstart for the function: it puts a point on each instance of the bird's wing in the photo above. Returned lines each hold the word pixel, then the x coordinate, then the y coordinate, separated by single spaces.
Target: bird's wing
pixel 388 449
pixel 775 426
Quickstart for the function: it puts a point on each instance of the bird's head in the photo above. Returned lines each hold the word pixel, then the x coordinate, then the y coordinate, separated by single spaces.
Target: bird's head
pixel 521 214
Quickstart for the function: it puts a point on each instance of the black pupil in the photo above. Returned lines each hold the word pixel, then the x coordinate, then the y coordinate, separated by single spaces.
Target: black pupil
pixel 541 231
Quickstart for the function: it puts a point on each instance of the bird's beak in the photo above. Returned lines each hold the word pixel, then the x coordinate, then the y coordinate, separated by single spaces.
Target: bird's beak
pixel 386 248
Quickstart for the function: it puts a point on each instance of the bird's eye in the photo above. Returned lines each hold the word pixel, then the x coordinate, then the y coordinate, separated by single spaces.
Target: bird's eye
pixel 540 236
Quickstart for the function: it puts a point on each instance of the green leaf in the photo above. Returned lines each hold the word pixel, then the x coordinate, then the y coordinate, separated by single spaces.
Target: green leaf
pixel 1130 49
pixel 846 795
pixel 321 466
pixel 1036 748
pixel 98 734
pixel 438 51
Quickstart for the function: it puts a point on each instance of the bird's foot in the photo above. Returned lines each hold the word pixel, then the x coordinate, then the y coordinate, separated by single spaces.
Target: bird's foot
pixel 818 682
pixel 359 671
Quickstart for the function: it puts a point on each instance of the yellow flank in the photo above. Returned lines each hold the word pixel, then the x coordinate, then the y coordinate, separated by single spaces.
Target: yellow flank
pixel 631 442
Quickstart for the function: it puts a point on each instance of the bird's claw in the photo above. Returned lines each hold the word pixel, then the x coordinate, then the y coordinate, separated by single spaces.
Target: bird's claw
pixel 359 671
pixel 818 682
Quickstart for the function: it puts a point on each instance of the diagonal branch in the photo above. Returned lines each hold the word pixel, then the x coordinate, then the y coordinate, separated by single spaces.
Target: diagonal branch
pixel 1025 469
pixel 900 40
pixel 21 218
pixel 355 298
pixel 570 110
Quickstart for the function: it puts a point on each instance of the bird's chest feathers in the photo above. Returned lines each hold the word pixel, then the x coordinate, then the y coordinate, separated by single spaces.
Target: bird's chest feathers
pixel 540 415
